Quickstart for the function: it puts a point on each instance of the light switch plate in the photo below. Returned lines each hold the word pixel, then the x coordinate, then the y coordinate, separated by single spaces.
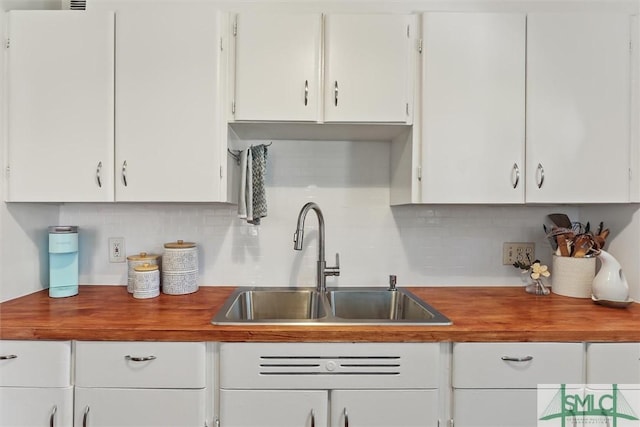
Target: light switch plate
pixel 518 251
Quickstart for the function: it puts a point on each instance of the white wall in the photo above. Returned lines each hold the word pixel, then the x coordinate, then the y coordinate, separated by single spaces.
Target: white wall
pixel 423 245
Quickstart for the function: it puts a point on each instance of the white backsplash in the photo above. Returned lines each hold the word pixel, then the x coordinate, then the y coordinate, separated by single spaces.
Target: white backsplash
pixel 423 245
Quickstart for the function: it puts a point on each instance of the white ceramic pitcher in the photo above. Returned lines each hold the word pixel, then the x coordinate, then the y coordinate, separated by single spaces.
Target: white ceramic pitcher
pixel 610 283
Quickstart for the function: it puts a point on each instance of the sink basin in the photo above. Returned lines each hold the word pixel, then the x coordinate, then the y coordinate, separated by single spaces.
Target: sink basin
pixel 342 306
pixel 384 305
pixel 275 305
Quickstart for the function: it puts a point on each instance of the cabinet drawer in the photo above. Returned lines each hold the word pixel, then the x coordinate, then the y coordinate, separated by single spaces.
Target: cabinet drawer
pixel 140 364
pixel 516 365
pixel 613 363
pixel 35 363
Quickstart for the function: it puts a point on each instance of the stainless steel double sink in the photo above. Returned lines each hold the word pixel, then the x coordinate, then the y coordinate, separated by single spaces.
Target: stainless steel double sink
pixel 307 306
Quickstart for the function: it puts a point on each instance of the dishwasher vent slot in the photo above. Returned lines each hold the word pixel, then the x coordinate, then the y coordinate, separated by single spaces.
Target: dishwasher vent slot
pixel 74 4
pixel 330 366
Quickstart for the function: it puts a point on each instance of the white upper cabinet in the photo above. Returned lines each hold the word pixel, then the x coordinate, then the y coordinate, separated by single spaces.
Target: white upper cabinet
pixel 60 106
pixel 473 118
pixel 168 130
pixel 367 74
pixel 277 61
pixel 367 68
pixel 578 101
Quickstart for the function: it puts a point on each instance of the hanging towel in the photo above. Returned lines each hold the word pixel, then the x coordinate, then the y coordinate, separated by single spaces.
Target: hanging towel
pixel 252 202
pixel 242 193
pixel 259 163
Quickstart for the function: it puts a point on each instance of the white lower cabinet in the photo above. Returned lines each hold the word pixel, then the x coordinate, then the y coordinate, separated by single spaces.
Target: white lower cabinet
pixel 140 384
pixel 496 384
pixel 35 383
pixel 322 385
pixel 122 407
pixel 273 408
pixel 384 408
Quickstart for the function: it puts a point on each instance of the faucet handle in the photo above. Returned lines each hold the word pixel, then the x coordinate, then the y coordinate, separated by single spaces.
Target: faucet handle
pixel 333 271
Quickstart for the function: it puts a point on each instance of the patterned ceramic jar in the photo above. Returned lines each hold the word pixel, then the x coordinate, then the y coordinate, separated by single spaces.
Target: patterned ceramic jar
pixel 147 281
pixel 134 261
pixel 180 268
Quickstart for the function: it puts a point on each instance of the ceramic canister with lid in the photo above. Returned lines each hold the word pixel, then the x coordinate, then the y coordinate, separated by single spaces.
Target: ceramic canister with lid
pixel 146 281
pixel 180 268
pixel 134 261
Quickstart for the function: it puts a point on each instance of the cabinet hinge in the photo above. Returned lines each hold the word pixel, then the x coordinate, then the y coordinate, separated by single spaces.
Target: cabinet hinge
pixel 7 44
pixel 420 46
pixel 419 173
pixel 407 104
pixel 233 107
pixel 220 171
pixel 221 44
pixel 7 171
pixel 235 27
pixel 408 31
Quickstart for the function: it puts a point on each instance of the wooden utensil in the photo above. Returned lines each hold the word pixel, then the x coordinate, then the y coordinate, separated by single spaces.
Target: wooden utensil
pixel 582 245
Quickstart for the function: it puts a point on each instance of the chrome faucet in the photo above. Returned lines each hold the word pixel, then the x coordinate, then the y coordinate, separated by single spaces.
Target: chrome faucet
pixel 323 271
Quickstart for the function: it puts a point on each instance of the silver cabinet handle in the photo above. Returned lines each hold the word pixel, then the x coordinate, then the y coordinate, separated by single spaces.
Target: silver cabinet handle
pixel 346 418
pixel 335 93
pixel 98 174
pixel 217 422
pixel 517 359
pixel 85 417
pixel 540 175
pixel 313 418
pixel 52 417
pixel 515 173
pixel 124 173
pixel 306 92
pixel 9 356
pixel 139 358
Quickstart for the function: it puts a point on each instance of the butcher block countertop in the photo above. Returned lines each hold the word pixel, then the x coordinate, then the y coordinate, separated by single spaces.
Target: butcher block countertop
pixel 478 314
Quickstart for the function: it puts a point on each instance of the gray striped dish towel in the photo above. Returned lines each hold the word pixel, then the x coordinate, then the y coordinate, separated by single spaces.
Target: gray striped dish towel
pixel 252 200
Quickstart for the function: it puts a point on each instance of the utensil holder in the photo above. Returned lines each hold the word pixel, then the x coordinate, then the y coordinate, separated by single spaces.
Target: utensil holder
pixel 572 277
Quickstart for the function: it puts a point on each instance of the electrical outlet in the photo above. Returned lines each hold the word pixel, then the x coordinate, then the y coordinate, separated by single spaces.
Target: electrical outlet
pixel 518 251
pixel 116 249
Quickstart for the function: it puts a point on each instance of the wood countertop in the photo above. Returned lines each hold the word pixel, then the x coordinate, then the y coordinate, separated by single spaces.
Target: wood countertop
pixel 478 314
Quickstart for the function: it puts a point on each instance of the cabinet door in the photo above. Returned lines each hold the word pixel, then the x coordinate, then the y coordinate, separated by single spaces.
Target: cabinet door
pixel 473 108
pixel 28 407
pixel 578 121
pixel 277 66
pixel 384 408
pixel 168 133
pixel 367 68
pixel 60 102
pixel 495 408
pixel 109 407
pixel 273 408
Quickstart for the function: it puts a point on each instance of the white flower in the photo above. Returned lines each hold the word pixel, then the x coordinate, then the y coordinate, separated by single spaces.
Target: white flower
pixel 538 270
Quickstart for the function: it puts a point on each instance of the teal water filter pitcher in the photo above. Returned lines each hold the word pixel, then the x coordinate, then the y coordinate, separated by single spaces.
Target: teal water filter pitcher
pixel 63 261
